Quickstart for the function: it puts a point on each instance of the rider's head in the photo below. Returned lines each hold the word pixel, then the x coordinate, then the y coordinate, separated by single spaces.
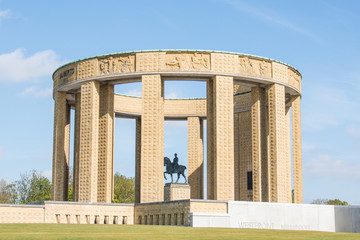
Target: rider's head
pixel 175 154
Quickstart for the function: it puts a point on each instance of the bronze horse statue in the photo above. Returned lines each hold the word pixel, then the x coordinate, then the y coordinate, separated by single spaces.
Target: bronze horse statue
pixel 171 169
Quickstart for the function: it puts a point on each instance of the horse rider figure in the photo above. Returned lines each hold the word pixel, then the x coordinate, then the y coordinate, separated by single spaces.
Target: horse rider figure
pixel 175 162
pixel 174 167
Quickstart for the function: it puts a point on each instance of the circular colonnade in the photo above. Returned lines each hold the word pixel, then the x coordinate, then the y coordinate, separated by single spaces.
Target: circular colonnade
pixel 252 105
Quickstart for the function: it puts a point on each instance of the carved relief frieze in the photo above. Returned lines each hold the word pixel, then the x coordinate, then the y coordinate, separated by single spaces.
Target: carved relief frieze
pixel 254 67
pixel 294 78
pixel 113 65
pixel 187 62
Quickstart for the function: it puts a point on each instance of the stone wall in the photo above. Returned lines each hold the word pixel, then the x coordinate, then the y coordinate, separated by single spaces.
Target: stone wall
pixel 163 213
pixel 68 213
pixel 194 213
pixel 284 216
pixel 21 214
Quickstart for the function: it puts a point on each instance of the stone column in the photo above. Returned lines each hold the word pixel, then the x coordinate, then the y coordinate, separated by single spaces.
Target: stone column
pixel 280 190
pixel 152 140
pixel 60 170
pixel 210 140
pixel 88 145
pixel 221 138
pixel 195 157
pixel 76 147
pixel 236 158
pixel 138 160
pixel 297 156
pixel 242 143
pixel 265 162
pixel 257 136
pixel 106 140
pixel 288 152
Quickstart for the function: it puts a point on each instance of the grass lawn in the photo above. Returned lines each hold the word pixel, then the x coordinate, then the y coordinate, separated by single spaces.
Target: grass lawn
pixel 64 231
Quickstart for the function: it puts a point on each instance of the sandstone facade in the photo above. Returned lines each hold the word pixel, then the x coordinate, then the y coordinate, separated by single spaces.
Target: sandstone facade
pixel 248 109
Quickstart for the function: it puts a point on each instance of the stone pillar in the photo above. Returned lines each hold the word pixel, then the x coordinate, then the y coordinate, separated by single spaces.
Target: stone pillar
pixel 88 145
pixel 265 163
pixel 288 152
pixel 236 158
pixel 195 157
pixel 297 156
pixel 257 126
pixel 76 147
pixel 221 138
pixel 210 140
pixel 152 140
pixel 242 143
pixel 138 160
pixel 280 190
pixel 60 170
pixel 106 140
pixel 245 157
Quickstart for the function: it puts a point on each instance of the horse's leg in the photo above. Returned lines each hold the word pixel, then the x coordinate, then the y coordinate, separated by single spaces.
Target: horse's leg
pixel 178 178
pixel 165 176
pixel 171 178
pixel 182 173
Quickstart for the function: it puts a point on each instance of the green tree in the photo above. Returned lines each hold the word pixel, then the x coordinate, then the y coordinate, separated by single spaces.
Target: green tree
pixel 337 202
pixel 8 192
pixel 71 185
pixel 4 195
pixel 329 202
pixel 33 188
pixel 13 195
pixel 124 189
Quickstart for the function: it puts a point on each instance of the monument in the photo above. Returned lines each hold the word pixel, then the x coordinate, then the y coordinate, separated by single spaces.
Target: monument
pixel 252 109
pixel 254 161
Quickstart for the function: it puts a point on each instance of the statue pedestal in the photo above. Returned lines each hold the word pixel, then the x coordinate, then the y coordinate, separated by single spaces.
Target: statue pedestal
pixel 176 191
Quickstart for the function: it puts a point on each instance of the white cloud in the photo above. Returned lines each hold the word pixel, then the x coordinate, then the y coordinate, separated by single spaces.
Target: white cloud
pixel 16 67
pixel 34 91
pixel 327 166
pixel 44 92
pixel 171 96
pixel 27 91
pixel 5 14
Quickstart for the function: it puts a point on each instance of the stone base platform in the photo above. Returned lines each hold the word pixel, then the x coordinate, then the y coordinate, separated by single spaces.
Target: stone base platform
pixel 176 191
pixel 190 212
pixel 284 216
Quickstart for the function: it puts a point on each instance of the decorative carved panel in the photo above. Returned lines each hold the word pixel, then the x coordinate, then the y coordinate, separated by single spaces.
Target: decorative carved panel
pixel 294 78
pixel 188 61
pixel 254 67
pixel 115 64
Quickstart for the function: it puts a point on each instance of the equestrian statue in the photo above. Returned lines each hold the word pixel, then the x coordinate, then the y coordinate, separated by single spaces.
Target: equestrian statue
pixel 174 167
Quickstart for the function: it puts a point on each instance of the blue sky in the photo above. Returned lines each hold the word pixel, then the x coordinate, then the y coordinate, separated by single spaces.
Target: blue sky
pixel 320 38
